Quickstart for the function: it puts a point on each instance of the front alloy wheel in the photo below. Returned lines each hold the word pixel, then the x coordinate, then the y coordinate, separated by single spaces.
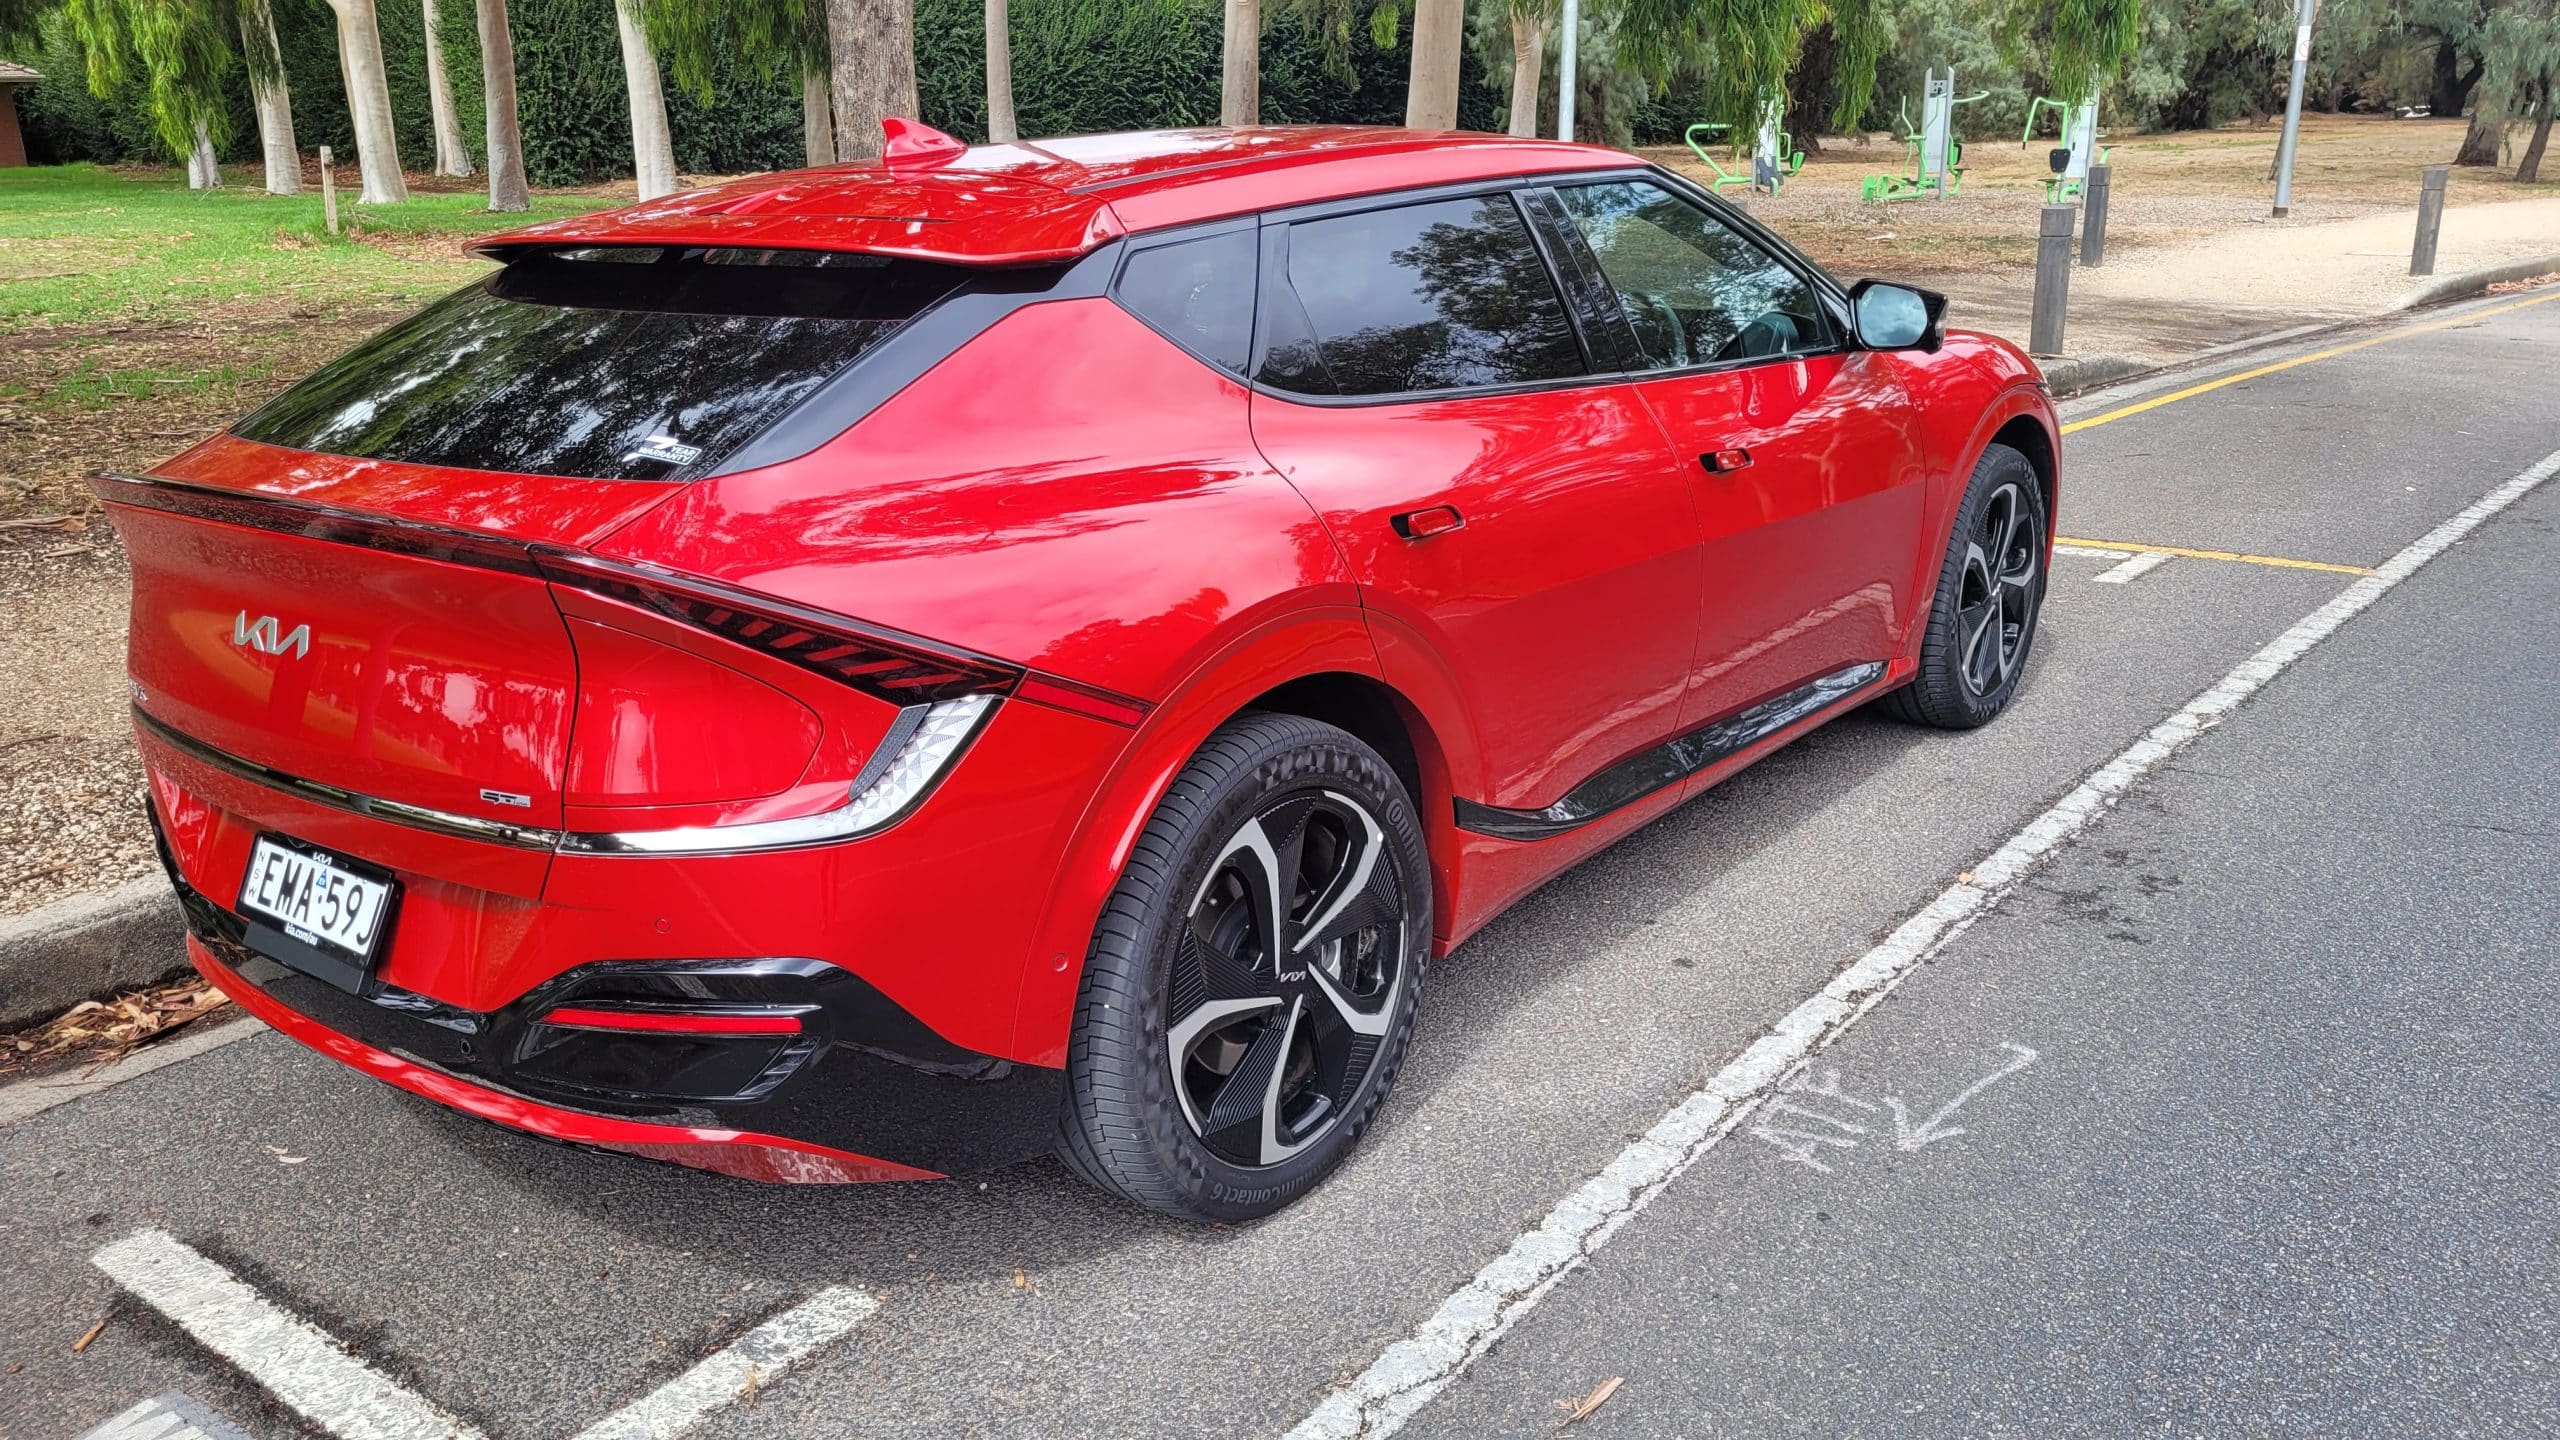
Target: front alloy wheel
pixel 1253 980
pixel 1982 617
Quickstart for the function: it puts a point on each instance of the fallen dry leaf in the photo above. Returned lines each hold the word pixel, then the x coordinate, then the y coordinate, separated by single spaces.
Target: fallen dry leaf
pixel 1593 1401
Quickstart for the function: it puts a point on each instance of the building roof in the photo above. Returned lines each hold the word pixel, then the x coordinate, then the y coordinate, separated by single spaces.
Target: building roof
pixel 1050 200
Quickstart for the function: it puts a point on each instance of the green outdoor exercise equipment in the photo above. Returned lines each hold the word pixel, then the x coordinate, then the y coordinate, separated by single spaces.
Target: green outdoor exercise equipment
pixel 1937 156
pixel 2079 137
pixel 1773 156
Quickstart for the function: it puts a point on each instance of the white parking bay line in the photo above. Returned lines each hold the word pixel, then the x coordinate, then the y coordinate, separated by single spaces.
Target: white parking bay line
pixel 2090 552
pixel 1408 1373
pixel 2133 569
pixel 297 1362
pixel 753 1359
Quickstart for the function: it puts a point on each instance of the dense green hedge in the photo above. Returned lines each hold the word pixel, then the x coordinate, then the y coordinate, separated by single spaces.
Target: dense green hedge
pixel 1080 67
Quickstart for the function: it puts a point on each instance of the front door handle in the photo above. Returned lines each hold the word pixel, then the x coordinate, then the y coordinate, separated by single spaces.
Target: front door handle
pixel 1726 461
pixel 1424 523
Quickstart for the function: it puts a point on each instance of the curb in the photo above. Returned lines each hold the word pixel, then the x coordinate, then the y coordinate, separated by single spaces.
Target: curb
pixel 88 946
pixel 2074 373
pixel 2472 282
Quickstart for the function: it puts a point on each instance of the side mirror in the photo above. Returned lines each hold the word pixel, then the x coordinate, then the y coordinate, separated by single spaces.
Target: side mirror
pixel 1887 316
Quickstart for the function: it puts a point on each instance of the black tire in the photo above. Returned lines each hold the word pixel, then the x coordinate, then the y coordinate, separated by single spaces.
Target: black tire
pixel 1991 586
pixel 1187 1011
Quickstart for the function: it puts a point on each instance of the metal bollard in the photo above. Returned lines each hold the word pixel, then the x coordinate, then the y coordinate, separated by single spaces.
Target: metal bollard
pixel 2093 217
pixel 328 191
pixel 2422 255
pixel 2053 280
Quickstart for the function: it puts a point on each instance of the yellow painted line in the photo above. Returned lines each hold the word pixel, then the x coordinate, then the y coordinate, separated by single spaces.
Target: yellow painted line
pixel 2191 391
pixel 2131 548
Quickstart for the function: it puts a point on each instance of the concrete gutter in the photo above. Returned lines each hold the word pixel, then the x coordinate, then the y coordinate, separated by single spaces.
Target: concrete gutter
pixel 2472 282
pixel 86 947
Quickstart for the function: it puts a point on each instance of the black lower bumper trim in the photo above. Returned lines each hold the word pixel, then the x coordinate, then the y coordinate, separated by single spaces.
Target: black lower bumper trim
pixel 865 1076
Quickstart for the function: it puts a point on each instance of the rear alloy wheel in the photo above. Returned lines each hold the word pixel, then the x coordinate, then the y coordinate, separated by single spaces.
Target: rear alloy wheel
pixel 1982 622
pixel 1253 981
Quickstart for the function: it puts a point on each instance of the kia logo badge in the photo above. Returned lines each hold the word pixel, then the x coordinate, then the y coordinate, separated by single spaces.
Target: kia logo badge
pixel 267 635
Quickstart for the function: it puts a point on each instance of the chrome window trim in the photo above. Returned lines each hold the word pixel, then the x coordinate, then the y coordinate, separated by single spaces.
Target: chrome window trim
pixel 867 808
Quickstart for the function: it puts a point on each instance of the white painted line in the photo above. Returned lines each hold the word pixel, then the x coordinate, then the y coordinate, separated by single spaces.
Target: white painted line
pixel 302 1366
pixel 2091 552
pixel 26 1099
pixel 754 1359
pixel 2134 569
pixel 1408 1373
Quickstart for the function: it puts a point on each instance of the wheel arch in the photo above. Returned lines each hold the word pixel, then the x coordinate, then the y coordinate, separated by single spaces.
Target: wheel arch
pixel 1319 664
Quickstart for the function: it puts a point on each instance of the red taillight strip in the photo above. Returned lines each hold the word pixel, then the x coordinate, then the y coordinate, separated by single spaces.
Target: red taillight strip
pixel 890 665
pixel 673 1022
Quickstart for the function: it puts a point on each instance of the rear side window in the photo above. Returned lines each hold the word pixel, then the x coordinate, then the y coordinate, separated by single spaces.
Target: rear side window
pixel 1445 295
pixel 1199 293
pixel 631 363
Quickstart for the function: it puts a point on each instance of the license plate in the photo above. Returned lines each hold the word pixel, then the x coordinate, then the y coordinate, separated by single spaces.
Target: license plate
pixel 323 914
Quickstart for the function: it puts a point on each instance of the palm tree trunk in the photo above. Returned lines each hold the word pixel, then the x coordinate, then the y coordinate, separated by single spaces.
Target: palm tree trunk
pixel 653 157
pixel 817 120
pixel 273 101
pixel 1431 98
pixel 452 156
pixel 369 102
pixel 203 171
pixel 498 93
pixel 1528 49
pixel 1000 129
pixel 871 50
pixel 1240 81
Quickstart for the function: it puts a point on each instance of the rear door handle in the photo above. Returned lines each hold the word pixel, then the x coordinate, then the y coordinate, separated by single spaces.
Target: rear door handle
pixel 1725 462
pixel 1429 521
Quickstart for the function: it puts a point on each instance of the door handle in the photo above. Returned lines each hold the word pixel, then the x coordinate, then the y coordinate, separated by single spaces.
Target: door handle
pixel 1725 462
pixel 1429 521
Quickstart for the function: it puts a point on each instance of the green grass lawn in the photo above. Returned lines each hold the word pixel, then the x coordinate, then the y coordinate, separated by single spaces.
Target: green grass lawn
pixel 81 245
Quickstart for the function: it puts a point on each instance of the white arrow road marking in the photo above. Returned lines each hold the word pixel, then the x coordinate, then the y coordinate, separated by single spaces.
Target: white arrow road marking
pixel 341 1394
pixel 1409 1372
pixel 755 1358
pixel 302 1366
pixel 1907 1136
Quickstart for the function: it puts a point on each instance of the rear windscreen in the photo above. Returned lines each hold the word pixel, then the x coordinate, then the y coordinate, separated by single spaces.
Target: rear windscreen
pixel 626 362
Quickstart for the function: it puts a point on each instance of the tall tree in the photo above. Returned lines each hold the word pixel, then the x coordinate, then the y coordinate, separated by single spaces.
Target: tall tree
pixel 505 138
pixel 369 102
pixel 1529 21
pixel 183 52
pixel 270 97
pixel 653 155
pixel 871 46
pixel 1240 65
pixel 768 37
pixel 452 156
pixel 2521 49
pixel 1000 128
pixel 1439 41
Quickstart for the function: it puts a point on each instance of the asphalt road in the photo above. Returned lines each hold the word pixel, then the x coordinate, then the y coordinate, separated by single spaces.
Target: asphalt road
pixel 2281 1161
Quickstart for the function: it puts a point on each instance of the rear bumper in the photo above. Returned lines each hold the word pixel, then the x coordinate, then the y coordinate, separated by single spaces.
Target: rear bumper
pixel 869 1093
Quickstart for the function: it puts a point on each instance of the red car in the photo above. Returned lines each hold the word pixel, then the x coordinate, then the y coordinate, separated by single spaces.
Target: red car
pixel 882 672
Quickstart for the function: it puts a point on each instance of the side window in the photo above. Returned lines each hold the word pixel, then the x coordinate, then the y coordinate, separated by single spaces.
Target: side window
pixel 1199 293
pixel 1694 289
pixel 1445 295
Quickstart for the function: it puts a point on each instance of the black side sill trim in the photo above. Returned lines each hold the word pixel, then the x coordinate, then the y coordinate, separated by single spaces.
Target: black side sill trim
pixel 1673 761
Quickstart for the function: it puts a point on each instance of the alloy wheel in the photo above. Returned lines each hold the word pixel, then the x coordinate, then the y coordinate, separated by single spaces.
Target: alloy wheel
pixel 1285 977
pixel 1996 600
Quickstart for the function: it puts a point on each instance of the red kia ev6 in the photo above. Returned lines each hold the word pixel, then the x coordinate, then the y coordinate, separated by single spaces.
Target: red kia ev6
pixel 881 672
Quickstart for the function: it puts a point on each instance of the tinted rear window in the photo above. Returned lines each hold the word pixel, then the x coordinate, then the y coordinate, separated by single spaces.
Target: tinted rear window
pixel 620 363
pixel 1444 295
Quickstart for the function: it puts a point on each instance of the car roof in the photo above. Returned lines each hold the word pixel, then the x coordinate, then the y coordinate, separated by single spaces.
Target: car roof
pixel 1049 200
